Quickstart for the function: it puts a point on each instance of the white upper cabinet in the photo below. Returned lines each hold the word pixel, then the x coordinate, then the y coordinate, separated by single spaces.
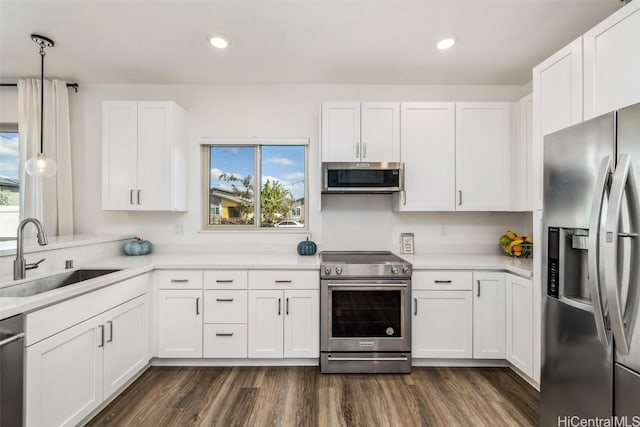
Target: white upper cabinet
pixel 521 155
pixel 427 135
pixel 612 62
pixel 143 156
pixel 354 131
pixel 483 139
pixel 557 103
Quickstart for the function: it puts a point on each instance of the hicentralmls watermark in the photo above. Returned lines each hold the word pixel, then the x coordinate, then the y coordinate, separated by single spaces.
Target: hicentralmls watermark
pixel 576 421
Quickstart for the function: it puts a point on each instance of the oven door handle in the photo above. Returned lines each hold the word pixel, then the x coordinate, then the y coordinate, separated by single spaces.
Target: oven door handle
pixel 367 285
pixel 366 359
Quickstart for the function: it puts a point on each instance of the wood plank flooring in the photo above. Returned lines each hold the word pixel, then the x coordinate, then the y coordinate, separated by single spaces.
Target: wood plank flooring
pixel 301 396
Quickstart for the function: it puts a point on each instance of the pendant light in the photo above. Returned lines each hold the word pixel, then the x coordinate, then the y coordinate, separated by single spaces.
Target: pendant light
pixel 40 164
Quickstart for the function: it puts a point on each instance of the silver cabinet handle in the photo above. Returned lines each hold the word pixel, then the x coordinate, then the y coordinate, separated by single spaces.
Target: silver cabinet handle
pixel 442 282
pixel 224 334
pixel 131 197
pixel 139 199
pixel 364 150
pixel 287 306
pixel 179 280
pixel 101 335
pixel 279 306
pixel 357 150
pixel 12 338
pixel 224 281
pixel 621 320
pixel 459 197
pixel 198 306
pixel 415 306
pixel 478 282
pixel 592 253
pixel 110 323
pixel 284 281
pixel 224 299
pixel 404 198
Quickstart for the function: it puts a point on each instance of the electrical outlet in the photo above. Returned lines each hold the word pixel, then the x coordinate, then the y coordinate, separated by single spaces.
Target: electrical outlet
pixel 268 249
pixel 444 230
pixel 179 229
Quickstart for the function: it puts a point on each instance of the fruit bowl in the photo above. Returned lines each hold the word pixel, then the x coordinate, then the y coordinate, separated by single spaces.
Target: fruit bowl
pixel 516 246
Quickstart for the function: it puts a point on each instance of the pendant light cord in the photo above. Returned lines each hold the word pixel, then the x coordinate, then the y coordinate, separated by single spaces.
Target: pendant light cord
pixel 42 54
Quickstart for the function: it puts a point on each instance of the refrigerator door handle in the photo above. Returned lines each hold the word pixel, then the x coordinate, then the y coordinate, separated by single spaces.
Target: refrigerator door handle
pixel 593 249
pixel 621 321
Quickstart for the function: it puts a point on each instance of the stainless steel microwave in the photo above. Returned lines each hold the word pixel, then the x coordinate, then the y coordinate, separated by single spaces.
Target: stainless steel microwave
pixel 353 177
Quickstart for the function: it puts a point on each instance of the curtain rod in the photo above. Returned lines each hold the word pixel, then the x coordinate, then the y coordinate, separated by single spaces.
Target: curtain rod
pixel 74 86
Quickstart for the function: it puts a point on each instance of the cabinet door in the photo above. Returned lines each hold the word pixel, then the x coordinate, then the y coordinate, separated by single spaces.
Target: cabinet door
pixel 64 376
pixel 265 324
pixel 380 132
pixel 119 155
pixel 301 323
pixel 180 323
pixel 340 131
pixel 612 62
pixel 154 156
pixel 557 103
pixel 520 323
pixel 442 324
pixel 489 316
pixel 483 132
pixel 427 135
pixel 538 294
pixel 126 350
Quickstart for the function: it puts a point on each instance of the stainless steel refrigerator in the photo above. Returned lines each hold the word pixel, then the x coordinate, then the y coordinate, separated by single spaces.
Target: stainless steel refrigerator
pixel 591 265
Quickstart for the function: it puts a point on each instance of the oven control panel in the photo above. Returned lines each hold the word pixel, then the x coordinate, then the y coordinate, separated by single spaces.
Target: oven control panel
pixel 360 270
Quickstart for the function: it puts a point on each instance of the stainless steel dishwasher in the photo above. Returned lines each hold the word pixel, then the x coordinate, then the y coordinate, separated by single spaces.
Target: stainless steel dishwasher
pixel 11 371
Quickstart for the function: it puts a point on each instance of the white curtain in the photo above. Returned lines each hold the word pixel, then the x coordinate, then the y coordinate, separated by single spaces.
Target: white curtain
pixel 48 199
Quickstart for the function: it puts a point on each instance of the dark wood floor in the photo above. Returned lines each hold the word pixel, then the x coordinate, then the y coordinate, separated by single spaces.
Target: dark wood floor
pixel 301 396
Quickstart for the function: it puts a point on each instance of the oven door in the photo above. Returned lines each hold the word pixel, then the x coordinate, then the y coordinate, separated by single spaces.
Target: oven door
pixel 365 315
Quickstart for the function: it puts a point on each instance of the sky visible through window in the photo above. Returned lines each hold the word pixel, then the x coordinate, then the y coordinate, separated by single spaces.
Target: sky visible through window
pixel 279 163
pixel 9 155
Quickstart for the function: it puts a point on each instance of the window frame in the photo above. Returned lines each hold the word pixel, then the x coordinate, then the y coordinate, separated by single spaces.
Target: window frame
pixel 12 127
pixel 256 143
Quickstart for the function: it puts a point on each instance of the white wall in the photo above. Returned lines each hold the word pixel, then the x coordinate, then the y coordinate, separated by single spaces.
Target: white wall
pixel 9 104
pixel 362 222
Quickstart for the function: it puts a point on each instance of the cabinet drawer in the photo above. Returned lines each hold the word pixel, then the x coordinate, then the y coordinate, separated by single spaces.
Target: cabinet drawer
pixel 442 280
pixel 284 279
pixel 225 306
pixel 225 279
pixel 180 279
pixel 226 341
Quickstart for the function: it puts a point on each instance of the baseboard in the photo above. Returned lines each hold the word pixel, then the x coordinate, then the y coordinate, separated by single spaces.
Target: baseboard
pixel 235 362
pixel 114 395
pixel 525 377
pixel 461 363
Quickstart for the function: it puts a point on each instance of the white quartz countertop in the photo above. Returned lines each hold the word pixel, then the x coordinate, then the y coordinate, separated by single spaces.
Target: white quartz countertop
pixel 136 265
pixel 520 266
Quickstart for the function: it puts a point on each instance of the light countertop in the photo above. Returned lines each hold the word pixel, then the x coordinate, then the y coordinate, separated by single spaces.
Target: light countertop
pixel 133 266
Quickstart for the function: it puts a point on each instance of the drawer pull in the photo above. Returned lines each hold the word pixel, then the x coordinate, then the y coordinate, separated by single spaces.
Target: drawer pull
pixel 224 334
pixel 442 282
pixel 284 281
pixel 224 281
pixel 179 280
pixel 224 299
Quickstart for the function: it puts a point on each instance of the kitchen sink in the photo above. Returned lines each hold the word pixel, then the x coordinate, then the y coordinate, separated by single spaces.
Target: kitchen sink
pixel 45 284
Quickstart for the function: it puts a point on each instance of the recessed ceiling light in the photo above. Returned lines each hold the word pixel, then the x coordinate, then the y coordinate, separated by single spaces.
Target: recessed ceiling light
pixel 446 43
pixel 218 42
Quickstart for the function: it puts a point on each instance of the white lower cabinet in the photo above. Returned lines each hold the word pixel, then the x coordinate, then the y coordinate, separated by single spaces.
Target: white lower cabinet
pixel 180 323
pixel 69 374
pixel 225 340
pixel 519 296
pixel 283 323
pixel 442 324
pixel 489 328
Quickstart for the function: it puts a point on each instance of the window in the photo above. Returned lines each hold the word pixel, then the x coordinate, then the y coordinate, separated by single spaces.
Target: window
pixel 231 172
pixel 9 181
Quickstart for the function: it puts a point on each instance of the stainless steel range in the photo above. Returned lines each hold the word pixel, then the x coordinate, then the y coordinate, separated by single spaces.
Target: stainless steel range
pixel 365 306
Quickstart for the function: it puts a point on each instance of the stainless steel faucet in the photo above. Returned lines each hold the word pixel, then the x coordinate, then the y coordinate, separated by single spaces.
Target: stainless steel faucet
pixel 20 266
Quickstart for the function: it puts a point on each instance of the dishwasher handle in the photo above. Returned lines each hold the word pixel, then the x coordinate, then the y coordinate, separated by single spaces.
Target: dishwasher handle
pixel 12 338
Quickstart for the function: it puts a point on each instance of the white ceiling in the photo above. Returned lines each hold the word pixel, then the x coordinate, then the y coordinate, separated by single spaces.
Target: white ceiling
pixel 295 41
